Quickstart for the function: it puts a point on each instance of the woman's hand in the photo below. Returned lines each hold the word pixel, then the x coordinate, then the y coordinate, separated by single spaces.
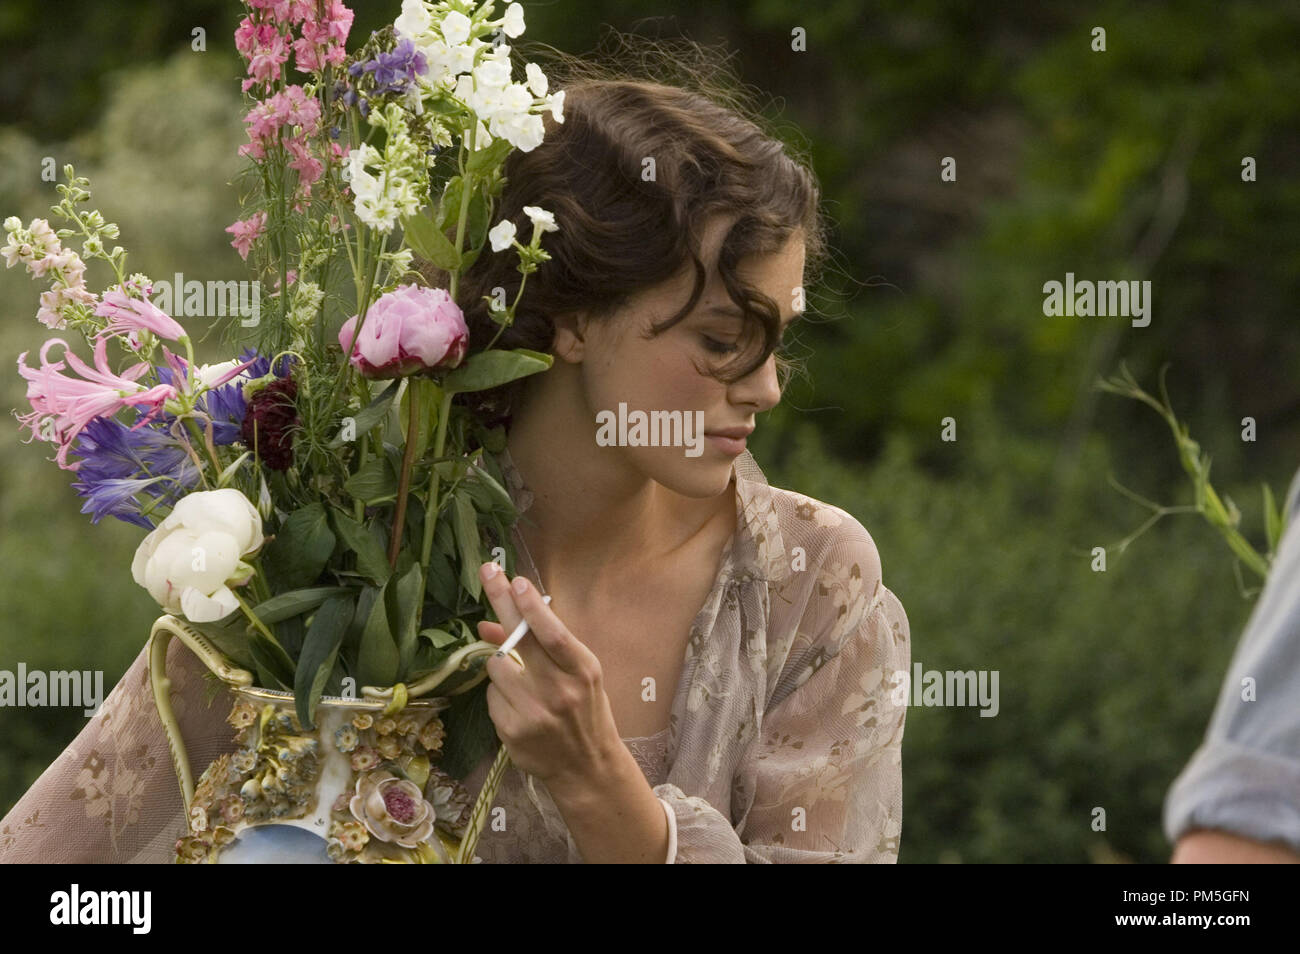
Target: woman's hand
pixel 553 715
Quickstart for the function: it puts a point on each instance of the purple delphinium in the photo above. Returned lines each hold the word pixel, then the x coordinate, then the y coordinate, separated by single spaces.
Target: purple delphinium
pixel 119 462
pixel 395 70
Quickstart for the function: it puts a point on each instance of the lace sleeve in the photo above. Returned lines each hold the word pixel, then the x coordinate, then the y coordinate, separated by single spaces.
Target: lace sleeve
pixel 112 796
pixel 826 769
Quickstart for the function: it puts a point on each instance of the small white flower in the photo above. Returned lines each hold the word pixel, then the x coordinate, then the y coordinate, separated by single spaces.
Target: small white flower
pixel 537 81
pixel 541 218
pixel 555 102
pixel 210 373
pixel 455 28
pixel 513 22
pixel 414 19
pixel 502 234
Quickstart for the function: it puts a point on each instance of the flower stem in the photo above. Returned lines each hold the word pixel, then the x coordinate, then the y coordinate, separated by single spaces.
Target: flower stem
pixel 404 481
pixel 431 499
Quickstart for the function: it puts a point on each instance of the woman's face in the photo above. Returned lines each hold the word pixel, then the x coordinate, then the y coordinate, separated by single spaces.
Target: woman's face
pixel 621 366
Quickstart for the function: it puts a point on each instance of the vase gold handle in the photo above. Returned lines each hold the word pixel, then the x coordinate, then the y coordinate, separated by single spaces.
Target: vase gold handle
pixel 164 629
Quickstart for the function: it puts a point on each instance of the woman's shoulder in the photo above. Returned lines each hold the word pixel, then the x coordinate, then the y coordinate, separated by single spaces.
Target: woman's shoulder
pixel 799 533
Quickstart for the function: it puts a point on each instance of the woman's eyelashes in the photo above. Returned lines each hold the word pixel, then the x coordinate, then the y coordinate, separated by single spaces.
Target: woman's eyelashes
pixel 716 346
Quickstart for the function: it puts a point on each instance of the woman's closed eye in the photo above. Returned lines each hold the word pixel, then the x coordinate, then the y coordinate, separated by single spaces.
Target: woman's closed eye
pixel 718 347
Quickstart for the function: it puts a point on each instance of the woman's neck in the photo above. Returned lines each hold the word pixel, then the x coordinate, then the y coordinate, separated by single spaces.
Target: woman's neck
pixel 594 518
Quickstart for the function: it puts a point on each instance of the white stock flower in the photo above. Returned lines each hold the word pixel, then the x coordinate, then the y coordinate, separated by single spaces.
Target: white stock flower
pixel 537 81
pixel 555 103
pixel 512 24
pixel 188 560
pixel 524 130
pixel 414 20
pixel 541 218
pixel 502 234
pixel 455 28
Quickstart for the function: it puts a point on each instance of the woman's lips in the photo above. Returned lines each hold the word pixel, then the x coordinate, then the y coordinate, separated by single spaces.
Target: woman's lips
pixel 728 445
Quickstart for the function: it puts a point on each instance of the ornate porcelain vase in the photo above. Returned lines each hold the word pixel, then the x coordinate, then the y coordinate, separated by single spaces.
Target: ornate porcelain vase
pixel 362 785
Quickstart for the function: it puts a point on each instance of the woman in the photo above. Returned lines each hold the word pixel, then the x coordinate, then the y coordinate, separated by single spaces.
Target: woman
pixel 715 677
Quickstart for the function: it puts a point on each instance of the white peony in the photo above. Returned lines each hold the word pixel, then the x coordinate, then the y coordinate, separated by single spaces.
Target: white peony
pixel 188 561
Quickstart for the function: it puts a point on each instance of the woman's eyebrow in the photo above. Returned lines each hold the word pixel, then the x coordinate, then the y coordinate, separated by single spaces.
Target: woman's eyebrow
pixel 731 311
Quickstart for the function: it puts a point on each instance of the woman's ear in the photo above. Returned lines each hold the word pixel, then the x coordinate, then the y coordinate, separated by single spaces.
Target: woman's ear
pixel 570 337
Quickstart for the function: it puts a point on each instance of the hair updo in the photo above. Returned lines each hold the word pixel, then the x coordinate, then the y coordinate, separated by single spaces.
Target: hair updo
pixel 620 233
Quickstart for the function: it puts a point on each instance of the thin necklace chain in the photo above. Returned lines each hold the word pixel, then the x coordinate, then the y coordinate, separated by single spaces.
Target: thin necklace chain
pixel 533 563
pixel 519 534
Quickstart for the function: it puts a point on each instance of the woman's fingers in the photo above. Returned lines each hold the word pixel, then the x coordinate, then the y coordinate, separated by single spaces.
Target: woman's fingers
pixel 552 635
pixel 497 588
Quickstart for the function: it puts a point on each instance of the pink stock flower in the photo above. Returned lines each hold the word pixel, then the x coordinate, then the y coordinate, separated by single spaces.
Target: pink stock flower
pixel 135 314
pixel 410 329
pixel 323 39
pixel 246 232
pixel 62 405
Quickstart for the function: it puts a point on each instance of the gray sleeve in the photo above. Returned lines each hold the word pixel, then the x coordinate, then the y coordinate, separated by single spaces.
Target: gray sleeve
pixel 1245 777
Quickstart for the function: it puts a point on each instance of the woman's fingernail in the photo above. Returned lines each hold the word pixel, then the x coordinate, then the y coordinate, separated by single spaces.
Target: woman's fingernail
pixel 520 585
pixel 490 570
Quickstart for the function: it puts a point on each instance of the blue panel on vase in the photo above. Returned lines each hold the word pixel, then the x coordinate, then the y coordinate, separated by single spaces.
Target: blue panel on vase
pixel 275 845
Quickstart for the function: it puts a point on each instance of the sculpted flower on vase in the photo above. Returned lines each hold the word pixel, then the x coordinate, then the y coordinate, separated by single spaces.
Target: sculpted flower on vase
pixel 392 809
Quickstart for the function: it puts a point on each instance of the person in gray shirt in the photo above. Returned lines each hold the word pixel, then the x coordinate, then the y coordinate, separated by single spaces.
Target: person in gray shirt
pixel 1238 798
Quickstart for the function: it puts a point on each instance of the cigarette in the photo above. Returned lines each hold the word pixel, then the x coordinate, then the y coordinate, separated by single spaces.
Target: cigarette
pixel 519 633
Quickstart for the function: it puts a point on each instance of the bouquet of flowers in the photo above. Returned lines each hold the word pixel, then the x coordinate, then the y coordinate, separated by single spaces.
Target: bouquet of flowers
pixel 318 506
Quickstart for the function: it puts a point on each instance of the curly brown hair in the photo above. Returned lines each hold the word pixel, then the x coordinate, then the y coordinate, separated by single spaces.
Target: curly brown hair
pixel 621 232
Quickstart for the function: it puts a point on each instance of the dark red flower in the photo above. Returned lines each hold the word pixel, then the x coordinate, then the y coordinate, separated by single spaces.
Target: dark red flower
pixel 270 422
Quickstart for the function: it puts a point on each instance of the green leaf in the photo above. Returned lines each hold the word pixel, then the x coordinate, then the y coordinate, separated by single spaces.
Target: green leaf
pixel 424 237
pixel 427 392
pixel 230 637
pixel 320 650
pixel 482 159
pixel 471 734
pixel 374 483
pixel 285 605
pixel 273 664
pixel 441 581
pixel 467 541
pixel 490 369
pixel 377 658
pixel 299 552
pixel 489 494
pixel 1272 520
pixel 405 600
pixel 439 637
pixel 370 415
pixel 372 562
pixel 449 206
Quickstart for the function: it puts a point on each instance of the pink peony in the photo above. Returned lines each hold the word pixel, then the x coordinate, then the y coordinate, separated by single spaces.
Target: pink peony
pixel 410 329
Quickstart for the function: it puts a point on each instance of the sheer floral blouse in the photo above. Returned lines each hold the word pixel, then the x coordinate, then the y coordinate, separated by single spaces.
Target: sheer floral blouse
pixel 783 745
